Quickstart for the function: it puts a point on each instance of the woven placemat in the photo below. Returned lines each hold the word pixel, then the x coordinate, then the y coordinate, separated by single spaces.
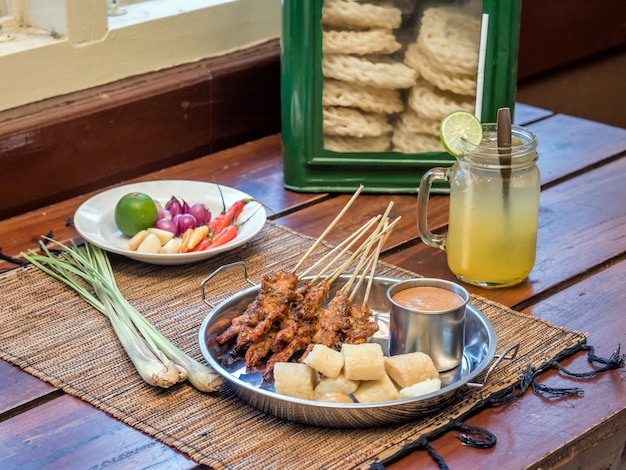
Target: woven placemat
pixel 49 332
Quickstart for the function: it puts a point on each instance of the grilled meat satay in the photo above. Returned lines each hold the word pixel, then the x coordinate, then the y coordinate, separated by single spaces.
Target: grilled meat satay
pixel 296 344
pixel 277 296
pixel 301 340
pixel 331 321
pixel 305 310
pixel 274 316
pixel 360 326
pixel 257 351
pixel 281 314
pixel 296 334
pixel 286 334
pixel 249 317
pixel 271 294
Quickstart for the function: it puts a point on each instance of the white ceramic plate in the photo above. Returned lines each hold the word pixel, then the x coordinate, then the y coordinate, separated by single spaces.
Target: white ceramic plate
pixel 94 219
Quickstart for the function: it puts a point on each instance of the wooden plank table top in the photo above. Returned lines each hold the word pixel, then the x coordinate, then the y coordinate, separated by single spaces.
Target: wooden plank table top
pixel 577 282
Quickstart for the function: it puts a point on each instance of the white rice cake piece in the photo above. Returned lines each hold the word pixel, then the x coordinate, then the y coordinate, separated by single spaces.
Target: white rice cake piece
pixel 325 360
pixel 295 379
pixel 334 397
pixel 376 390
pixel 338 384
pixel 363 361
pixel 420 388
pixel 410 368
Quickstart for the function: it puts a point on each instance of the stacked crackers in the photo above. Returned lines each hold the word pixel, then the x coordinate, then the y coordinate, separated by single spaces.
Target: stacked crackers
pixel 362 80
pixel 445 56
pixel 381 95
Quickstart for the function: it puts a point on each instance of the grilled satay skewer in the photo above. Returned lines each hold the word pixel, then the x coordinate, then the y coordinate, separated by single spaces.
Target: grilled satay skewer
pixel 284 319
pixel 329 324
pixel 243 325
pixel 281 315
pixel 303 312
pixel 340 321
pixel 271 296
pixel 361 327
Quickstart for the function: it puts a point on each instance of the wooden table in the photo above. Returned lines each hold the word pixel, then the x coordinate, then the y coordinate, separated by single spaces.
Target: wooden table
pixel 577 282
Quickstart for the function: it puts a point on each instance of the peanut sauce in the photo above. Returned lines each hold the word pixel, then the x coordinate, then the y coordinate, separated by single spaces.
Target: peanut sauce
pixel 431 299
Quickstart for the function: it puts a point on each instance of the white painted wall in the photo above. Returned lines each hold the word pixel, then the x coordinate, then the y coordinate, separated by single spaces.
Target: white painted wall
pixel 85 48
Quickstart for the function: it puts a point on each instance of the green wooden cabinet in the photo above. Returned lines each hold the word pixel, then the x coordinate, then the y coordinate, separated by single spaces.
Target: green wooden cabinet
pixel 309 164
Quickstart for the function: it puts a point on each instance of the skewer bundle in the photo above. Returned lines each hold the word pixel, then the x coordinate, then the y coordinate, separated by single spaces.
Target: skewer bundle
pixel 288 317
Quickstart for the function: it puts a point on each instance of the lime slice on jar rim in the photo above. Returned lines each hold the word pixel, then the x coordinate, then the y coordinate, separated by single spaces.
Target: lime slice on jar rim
pixel 460 132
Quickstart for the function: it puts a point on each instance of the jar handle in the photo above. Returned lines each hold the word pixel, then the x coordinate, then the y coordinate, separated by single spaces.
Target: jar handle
pixel 428 237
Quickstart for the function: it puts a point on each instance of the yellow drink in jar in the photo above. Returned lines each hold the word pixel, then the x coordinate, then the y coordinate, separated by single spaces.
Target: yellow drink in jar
pixel 494 208
pixel 491 243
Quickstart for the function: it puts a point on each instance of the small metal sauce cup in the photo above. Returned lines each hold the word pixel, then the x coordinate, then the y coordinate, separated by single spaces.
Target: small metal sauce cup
pixel 440 334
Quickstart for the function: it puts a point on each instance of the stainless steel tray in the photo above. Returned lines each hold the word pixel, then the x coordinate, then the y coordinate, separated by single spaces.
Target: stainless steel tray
pixel 480 348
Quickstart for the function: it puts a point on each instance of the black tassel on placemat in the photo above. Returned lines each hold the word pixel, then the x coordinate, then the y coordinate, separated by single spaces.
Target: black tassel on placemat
pixel 530 374
pixel 481 438
pixel 10 259
pixel 475 437
pixel 616 361
pixel 21 262
pixel 472 436
pixel 419 444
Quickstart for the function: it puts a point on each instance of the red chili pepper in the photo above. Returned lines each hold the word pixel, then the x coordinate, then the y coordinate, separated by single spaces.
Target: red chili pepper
pixel 237 208
pixel 227 234
pixel 203 245
pixel 218 223
pixel 227 218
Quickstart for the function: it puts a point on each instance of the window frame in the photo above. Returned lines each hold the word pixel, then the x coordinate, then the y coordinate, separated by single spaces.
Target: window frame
pixel 56 47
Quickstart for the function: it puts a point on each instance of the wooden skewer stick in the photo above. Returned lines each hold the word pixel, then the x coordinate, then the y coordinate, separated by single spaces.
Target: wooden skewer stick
pixel 367 268
pixel 379 247
pixel 356 254
pixel 372 261
pixel 346 245
pixel 340 270
pixel 367 245
pixel 364 262
pixel 329 228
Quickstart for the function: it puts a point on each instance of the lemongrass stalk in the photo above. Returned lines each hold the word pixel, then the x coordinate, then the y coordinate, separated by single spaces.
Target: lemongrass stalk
pixel 95 259
pixel 155 370
pixel 150 368
pixel 199 375
pixel 151 363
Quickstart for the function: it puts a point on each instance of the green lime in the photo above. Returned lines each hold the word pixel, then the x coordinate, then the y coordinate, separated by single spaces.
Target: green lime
pixel 135 212
pixel 460 132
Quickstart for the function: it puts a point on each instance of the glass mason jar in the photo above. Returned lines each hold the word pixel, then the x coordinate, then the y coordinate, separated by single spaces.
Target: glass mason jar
pixel 494 208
